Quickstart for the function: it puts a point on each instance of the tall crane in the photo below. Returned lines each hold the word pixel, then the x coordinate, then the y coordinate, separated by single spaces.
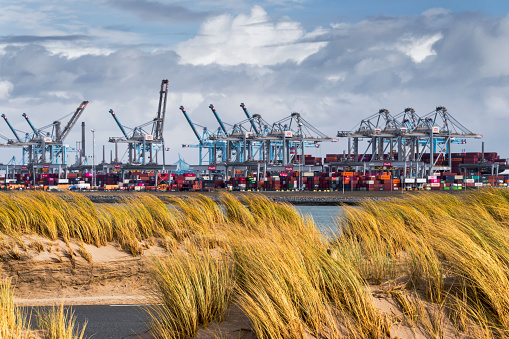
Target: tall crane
pixel 218 119
pixel 119 124
pixel 249 117
pixel 60 136
pixel 37 133
pixel 200 140
pixel 141 142
pixel 157 128
pixel 12 128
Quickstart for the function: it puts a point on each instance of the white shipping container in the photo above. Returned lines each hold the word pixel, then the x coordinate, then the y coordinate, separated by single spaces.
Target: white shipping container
pixel 458 177
pixel 82 186
pixel 190 178
pixel 126 181
pixel 432 177
pixel 435 184
pixel 370 182
pixel 409 180
pixel 479 184
pixel 308 174
pixel 421 180
pixel 63 181
pixel 469 181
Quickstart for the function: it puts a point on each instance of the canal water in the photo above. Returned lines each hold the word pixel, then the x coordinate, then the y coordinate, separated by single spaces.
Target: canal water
pixel 323 216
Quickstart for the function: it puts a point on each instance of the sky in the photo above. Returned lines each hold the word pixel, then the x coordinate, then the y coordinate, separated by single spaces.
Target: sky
pixel 335 62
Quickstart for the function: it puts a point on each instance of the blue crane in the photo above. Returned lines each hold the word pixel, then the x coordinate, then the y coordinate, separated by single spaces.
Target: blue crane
pixel 191 124
pixel 249 117
pixel 218 119
pixel 36 131
pixel 119 124
pixel 12 128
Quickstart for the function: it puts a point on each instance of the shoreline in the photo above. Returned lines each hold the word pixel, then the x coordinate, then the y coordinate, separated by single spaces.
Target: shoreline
pixel 319 198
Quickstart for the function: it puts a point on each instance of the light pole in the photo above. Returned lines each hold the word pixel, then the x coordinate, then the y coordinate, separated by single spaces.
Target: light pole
pixel 93 157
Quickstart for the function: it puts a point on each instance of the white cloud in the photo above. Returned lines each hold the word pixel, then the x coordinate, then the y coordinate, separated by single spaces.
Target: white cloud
pixel 5 89
pixel 248 39
pixel 419 48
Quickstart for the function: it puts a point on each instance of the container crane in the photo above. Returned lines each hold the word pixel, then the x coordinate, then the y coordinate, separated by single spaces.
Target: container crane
pixel 11 128
pixel 60 136
pixel 37 133
pixel 200 140
pixel 119 124
pixel 157 128
pixel 249 118
pixel 140 141
pixel 215 149
pixel 221 125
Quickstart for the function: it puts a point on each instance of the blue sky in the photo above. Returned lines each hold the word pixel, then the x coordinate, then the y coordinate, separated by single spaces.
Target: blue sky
pixel 336 62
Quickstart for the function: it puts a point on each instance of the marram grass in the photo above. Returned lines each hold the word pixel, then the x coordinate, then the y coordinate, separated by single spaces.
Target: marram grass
pixel 447 251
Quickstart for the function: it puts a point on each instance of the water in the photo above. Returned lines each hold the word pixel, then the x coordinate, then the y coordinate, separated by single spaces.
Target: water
pixel 323 216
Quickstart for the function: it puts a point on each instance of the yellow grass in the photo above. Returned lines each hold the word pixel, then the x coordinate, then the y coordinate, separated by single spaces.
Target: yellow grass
pixel 13 322
pixel 451 251
pixel 59 323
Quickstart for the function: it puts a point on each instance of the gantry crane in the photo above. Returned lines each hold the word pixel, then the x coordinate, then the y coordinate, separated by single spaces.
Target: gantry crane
pixel 141 143
pixel 411 135
pixel 18 139
pixel 43 141
pixel 210 149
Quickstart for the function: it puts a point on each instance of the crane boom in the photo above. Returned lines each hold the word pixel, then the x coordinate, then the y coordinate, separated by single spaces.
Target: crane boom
pixel 157 131
pixel 191 124
pixel 72 122
pixel 12 128
pixel 37 133
pixel 218 119
pixel 249 117
pixel 119 124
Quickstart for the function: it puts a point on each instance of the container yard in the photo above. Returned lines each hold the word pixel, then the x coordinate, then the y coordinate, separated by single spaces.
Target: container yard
pixel 405 151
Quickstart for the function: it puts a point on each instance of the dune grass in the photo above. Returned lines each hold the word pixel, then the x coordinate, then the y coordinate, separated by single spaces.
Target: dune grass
pixel 13 322
pixel 455 251
pixel 59 323
pixel 449 252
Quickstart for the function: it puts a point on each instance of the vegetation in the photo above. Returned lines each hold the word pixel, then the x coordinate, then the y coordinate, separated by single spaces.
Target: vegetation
pixel 59 323
pixel 443 259
pixel 13 323
pixel 54 323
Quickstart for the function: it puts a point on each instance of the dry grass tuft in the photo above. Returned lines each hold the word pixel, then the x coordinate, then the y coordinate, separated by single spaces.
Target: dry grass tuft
pixel 59 323
pixel 13 321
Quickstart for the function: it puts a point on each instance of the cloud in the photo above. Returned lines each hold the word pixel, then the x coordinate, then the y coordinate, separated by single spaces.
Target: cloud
pixel 334 76
pixel 420 48
pixel 157 11
pixel 13 39
pixel 5 89
pixel 248 39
